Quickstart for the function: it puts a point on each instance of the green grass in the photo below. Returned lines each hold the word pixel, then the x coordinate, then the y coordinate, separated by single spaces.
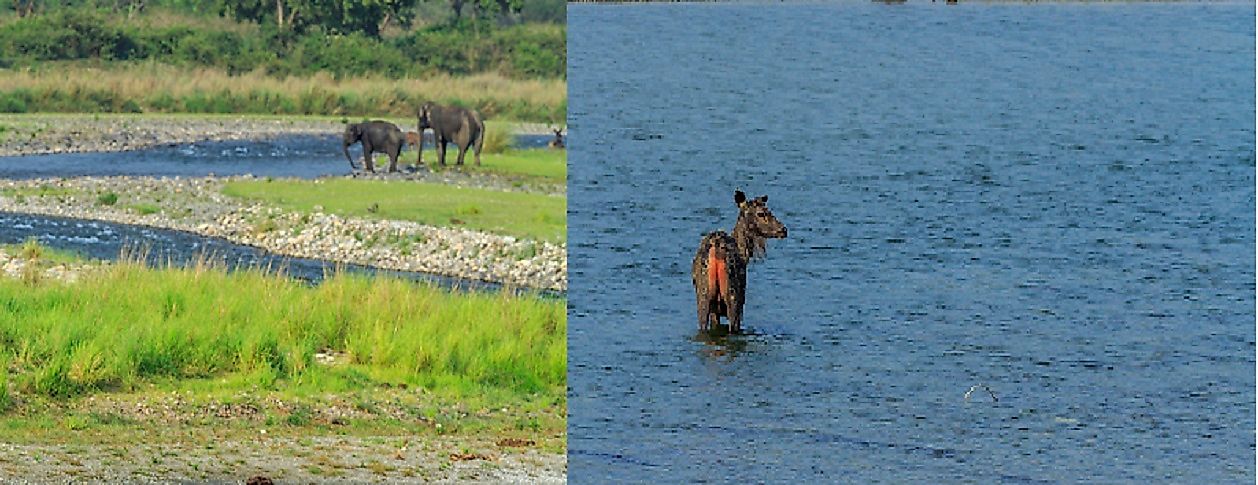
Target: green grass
pixel 127 327
pixel 531 216
pixel 545 164
pixel 145 209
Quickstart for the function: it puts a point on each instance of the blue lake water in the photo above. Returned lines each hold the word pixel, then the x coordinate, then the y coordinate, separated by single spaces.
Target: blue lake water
pixel 1055 201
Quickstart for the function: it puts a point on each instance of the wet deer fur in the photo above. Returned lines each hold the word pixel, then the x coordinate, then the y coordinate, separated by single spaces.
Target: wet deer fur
pixel 719 270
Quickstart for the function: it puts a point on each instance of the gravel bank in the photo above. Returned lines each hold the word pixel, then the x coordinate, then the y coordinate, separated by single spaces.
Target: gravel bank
pixel 197 205
pixel 36 135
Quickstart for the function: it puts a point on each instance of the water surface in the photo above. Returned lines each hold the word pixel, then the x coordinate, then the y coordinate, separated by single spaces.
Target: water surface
pixel 303 156
pixel 108 241
pixel 1056 201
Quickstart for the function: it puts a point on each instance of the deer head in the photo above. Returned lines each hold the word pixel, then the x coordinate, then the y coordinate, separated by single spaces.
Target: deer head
pixel 756 223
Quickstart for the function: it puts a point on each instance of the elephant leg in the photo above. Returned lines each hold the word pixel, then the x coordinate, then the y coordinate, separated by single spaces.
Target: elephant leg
pixel 441 151
pixel 367 151
pixel 397 150
pixel 462 151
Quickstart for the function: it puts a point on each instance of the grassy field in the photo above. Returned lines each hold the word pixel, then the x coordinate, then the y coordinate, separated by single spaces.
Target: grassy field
pixel 201 355
pixel 128 326
pixel 531 216
pixel 550 165
pixel 158 88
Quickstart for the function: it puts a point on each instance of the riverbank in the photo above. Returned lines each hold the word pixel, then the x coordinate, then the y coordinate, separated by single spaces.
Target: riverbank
pixel 39 134
pixel 198 205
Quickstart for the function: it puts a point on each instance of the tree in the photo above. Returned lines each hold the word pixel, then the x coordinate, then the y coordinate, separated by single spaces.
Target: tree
pixel 340 16
pixel 24 8
pixel 487 8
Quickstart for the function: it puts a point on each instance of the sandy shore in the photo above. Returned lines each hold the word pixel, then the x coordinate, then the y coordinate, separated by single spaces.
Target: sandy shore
pixel 197 205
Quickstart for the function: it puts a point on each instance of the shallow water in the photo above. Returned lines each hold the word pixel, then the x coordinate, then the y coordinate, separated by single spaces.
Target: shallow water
pixel 1056 201
pixel 160 247
pixel 303 156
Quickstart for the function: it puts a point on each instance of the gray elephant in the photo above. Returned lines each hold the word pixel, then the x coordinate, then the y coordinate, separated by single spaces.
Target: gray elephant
pixel 376 136
pixel 451 124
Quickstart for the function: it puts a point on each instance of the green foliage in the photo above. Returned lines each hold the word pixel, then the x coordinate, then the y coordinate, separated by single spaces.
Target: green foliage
pixel 550 11
pixel 128 325
pixel 342 47
pixel 497 139
pixel 31 250
pixel 107 198
pixel 337 16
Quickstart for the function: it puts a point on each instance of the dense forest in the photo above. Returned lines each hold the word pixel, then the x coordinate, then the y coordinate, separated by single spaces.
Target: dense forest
pixel 324 57
pixel 395 38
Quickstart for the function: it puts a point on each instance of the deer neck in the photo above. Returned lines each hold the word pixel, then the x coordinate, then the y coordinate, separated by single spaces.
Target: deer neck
pixel 749 244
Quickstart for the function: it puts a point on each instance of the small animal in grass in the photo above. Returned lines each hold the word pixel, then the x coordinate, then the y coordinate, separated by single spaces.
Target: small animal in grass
pixel 719 270
pixel 412 139
pixel 557 143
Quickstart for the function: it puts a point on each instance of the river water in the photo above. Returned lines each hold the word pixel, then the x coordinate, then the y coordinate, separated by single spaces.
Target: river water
pixel 1055 201
pixel 161 247
pixel 304 156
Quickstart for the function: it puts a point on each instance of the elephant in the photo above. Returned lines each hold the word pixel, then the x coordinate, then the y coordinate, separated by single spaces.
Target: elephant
pixel 376 136
pixel 451 124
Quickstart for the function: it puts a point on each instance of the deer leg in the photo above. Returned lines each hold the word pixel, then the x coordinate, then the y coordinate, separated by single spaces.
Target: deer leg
pixel 702 303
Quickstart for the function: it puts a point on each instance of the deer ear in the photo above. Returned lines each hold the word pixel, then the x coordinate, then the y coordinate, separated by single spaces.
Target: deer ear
pixel 739 197
pixel 763 199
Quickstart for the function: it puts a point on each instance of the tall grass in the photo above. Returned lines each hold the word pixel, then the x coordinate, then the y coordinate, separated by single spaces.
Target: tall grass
pixel 159 88
pixel 126 324
pixel 497 139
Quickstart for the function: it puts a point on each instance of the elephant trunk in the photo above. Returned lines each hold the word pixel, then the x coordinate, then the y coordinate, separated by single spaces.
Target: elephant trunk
pixel 345 146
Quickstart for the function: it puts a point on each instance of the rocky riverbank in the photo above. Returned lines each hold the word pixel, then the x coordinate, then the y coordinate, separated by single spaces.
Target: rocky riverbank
pixel 197 205
pixel 44 134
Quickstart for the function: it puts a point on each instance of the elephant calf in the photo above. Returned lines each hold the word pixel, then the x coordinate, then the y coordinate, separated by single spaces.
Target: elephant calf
pixel 452 124
pixel 376 136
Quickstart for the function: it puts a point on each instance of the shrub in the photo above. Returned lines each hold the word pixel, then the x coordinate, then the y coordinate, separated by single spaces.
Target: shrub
pixel 497 139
